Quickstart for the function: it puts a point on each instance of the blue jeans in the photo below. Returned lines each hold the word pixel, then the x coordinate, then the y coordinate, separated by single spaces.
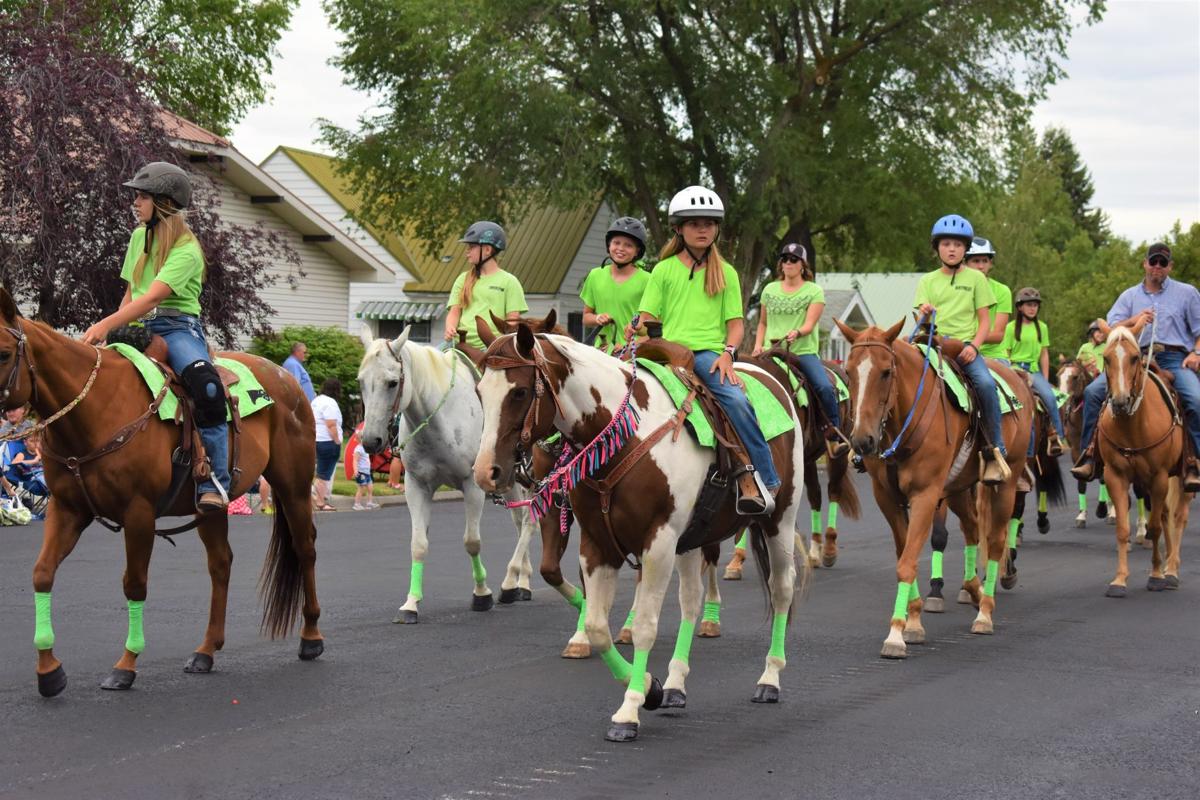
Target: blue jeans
pixel 736 404
pixel 989 405
pixel 186 345
pixel 1093 401
pixel 1043 389
pixel 818 382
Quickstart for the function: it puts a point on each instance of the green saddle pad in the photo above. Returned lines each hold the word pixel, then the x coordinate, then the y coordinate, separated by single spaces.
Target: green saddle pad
pixel 1008 399
pixel 773 418
pixel 249 392
pixel 801 392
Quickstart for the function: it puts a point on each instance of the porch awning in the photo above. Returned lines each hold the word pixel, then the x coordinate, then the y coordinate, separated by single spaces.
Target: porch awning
pixel 396 309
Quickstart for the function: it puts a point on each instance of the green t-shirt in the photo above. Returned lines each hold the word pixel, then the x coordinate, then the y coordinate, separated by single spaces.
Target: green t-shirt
pixel 689 316
pixel 604 295
pixel 1004 305
pixel 787 311
pixel 183 271
pixel 957 297
pixel 499 293
pixel 1028 349
pixel 1092 354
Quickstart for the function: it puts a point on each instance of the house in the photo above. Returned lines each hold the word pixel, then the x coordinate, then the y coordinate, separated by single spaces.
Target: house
pixel 331 259
pixel 549 250
pixel 888 295
pixel 848 307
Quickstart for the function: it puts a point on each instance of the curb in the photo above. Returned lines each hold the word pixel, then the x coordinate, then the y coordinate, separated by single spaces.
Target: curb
pixel 346 503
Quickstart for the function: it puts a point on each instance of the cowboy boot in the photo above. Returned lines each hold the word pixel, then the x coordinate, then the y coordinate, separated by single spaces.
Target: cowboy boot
pixel 995 468
pixel 1191 476
pixel 211 502
pixel 835 443
pixel 1085 468
pixel 1054 445
pixel 753 498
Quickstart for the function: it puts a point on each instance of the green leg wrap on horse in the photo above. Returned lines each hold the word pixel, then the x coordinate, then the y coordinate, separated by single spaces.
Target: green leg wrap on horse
pixel 640 659
pixel 1042 502
pixel 477 570
pixel 683 642
pixel 416 579
pixel 1104 498
pixel 816 521
pixel 1013 525
pixel 1141 509
pixel 778 631
pixel 616 664
pixel 135 642
pixel 582 624
pixel 629 620
pixel 969 554
pixel 935 565
pixel 741 542
pixel 712 611
pixel 833 507
pixel 1083 501
pixel 577 600
pixel 43 632
pixel 900 611
pixel 989 583
pixel 913 592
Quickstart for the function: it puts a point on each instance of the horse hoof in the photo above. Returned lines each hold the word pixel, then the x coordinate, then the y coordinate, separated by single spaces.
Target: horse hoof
pixel 625 636
pixel 914 635
pixel 119 680
pixel 53 682
pixel 1081 521
pixel 199 663
pixel 405 617
pixel 1009 581
pixel 1101 510
pixel 311 648
pixel 622 732
pixel 509 595
pixel 983 627
pixel 482 602
pixel 1115 590
pixel 1172 581
pixel 894 650
pixel 765 693
pixel 964 597
pixel 828 559
pixel 732 574
pixel 654 695
pixel 935 605
pixel 524 594
pixel 674 698
pixel 1043 524
pixel 709 630
pixel 1156 584
pixel 577 650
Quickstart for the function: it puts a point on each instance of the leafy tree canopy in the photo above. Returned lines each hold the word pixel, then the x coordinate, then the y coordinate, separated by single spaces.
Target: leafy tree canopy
pixel 332 353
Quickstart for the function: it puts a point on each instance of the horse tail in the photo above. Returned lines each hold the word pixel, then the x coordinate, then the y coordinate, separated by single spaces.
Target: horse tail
pixel 762 559
pixel 1050 479
pixel 280 583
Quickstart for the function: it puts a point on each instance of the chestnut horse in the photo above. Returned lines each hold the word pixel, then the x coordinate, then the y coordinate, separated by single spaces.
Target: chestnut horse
pixel 1073 378
pixel 534 384
pixel 47 369
pixel 932 463
pixel 1141 442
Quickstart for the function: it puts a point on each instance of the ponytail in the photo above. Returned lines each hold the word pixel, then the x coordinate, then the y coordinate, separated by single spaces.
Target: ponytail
pixel 469 285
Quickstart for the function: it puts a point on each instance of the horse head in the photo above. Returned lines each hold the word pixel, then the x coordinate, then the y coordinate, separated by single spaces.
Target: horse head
pixel 16 380
pixel 1073 378
pixel 385 392
pixel 1124 369
pixel 871 367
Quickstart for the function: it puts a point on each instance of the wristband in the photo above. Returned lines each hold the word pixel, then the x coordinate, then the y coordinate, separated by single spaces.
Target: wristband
pixel 971 345
pixel 730 350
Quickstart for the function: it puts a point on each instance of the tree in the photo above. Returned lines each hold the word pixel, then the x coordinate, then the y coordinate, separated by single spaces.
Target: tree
pixel 78 127
pixel 845 123
pixel 1058 150
pixel 207 60
pixel 332 353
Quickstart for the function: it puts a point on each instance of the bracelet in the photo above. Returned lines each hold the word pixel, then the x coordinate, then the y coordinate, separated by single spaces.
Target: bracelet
pixel 972 346
pixel 730 350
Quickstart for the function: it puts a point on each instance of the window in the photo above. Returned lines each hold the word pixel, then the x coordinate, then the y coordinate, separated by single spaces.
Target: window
pixel 575 325
pixel 391 328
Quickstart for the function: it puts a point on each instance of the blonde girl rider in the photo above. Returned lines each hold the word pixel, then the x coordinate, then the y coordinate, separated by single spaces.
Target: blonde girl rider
pixel 1027 346
pixel 981 255
pixel 789 311
pixel 164 273
pixel 484 289
pixel 611 293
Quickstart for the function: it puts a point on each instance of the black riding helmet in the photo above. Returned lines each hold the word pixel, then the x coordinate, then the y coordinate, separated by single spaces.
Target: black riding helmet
pixel 627 226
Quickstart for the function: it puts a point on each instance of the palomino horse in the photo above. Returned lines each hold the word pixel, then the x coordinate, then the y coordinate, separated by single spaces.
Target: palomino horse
pixel 427 398
pixel 1141 443
pixel 890 381
pixel 634 497
pixel 124 484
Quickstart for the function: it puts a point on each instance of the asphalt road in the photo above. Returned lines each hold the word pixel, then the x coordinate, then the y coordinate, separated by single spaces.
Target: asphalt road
pixel 1075 696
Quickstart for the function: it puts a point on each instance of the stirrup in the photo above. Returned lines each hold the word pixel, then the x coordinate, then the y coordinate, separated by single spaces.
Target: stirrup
pixel 1191 477
pixel 836 444
pixel 1085 469
pixel 995 468
pixel 762 504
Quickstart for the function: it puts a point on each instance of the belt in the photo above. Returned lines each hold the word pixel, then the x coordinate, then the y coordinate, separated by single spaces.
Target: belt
pixel 165 312
pixel 1171 348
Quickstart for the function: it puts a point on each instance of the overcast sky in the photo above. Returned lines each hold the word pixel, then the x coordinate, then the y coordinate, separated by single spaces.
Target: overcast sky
pixel 1131 101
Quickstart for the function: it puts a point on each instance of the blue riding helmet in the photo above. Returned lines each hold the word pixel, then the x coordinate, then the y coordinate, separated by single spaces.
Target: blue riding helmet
pixel 952 226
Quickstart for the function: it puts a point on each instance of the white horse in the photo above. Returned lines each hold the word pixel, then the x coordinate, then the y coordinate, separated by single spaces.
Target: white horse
pixel 427 398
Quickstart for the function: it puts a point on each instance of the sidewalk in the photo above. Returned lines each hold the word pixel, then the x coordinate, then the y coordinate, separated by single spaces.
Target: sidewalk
pixel 346 503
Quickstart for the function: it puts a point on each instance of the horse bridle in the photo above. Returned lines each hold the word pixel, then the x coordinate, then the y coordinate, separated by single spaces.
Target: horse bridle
pixel 542 385
pixel 394 414
pixel 19 334
pixel 887 402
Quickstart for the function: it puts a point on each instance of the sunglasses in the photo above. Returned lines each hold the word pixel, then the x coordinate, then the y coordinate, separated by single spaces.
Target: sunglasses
pixel 1158 261
pixel 790 259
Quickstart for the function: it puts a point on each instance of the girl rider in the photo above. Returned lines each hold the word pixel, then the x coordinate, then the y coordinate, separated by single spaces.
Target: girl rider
pixel 1027 346
pixel 790 310
pixel 981 256
pixel 484 289
pixel 164 272
pixel 1091 352
pixel 611 294
pixel 698 297
pixel 961 299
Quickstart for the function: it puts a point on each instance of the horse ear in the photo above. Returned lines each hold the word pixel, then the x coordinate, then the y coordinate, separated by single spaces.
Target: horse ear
pixel 500 323
pixel 402 338
pixel 894 331
pixel 485 331
pixel 8 306
pixel 550 321
pixel 850 334
pixel 364 333
pixel 525 340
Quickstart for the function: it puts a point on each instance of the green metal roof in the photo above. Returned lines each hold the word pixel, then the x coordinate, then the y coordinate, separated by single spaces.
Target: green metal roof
pixel 386 309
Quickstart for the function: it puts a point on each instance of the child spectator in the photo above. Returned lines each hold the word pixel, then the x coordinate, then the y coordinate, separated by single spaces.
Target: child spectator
pixel 362 477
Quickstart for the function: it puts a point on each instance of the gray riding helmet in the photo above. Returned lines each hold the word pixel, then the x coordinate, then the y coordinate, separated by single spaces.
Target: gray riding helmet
pixel 163 179
pixel 485 232
pixel 628 226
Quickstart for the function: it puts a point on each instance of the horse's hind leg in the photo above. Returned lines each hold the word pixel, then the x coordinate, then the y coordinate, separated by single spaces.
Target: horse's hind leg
pixel 59 537
pixel 516 577
pixel 733 570
pixel 993 514
pixel 963 504
pixel 214 532
pixel 626 634
pixel 689 565
pixel 481 599
pixel 139 545
pixel 1176 518
pixel 710 623
pixel 1159 533
pixel 782 589
pixel 935 603
pixel 812 486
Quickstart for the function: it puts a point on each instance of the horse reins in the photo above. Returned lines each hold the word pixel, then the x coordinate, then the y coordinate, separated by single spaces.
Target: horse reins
pixel 7 391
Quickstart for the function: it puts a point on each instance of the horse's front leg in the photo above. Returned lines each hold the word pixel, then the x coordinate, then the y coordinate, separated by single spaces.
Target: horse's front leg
pixel 473 499
pixel 689 566
pixel 782 584
pixel 906 625
pixel 59 537
pixel 420 499
pixel 516 576
pixel 139 545
pixel 1118 492
pixel 1177 517
pixel 812 485
pixel 1160 533
pixel 214 533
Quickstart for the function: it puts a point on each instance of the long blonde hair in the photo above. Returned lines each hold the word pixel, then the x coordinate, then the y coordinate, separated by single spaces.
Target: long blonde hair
pixel 714 269
pixel 170 230
pixel 469 285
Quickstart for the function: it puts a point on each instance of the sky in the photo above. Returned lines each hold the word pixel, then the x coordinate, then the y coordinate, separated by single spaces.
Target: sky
pixel 1131 102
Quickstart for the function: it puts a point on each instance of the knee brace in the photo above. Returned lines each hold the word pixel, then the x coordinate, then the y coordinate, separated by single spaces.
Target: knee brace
pixel 204 385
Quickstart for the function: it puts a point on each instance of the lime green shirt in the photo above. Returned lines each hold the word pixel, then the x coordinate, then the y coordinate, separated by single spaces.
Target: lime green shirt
pixel 689 316
pixel 499 293
pixel 787 311
pixel 1004 305
pixel 1027 349
pixel 183 271
pixel 604 295
pixel 1091 354
pixel 957 298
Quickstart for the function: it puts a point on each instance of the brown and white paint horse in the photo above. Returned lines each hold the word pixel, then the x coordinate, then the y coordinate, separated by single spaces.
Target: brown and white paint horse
pixel 534 384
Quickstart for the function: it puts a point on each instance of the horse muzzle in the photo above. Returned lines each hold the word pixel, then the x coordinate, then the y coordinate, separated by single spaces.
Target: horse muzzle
pixel 372 444
pixel 865 444
pixel 492 478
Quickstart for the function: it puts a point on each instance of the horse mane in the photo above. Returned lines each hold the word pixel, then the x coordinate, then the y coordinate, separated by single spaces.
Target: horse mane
pixel 1121 333
pixel 430 367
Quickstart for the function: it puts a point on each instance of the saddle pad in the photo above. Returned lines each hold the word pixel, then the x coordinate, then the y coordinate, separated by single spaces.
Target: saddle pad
pixel 801 392
pixel 249 392
pixel 773 418
pixel 958 392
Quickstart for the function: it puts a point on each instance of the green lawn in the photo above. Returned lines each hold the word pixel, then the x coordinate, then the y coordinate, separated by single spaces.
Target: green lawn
pixel 346 487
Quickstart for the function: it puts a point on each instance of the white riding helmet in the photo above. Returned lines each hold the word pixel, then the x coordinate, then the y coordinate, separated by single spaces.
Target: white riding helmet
pixel 981 247
pixel 695 201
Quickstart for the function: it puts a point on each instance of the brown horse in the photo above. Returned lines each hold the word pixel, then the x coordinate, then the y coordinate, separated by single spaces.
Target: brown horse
pixel 932 463
pixel 1073 378
pixel 47 369
pixel 1141 442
